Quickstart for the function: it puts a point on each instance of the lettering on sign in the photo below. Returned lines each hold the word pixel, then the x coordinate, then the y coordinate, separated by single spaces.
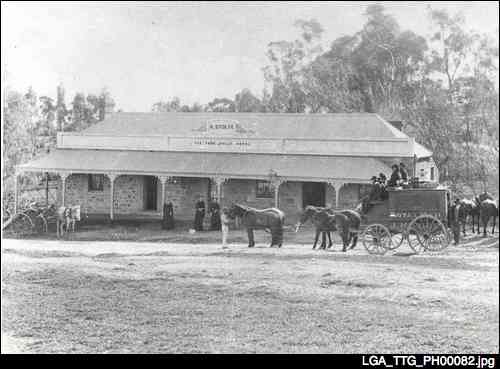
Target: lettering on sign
pixel 217 142
pixel 226 127
pixel 414 214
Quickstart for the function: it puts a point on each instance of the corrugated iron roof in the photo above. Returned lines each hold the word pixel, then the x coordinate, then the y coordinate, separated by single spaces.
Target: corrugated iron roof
pixel 269 125
pixel 300 167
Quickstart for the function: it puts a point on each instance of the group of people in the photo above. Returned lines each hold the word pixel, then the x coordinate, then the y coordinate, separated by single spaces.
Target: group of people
pixel 399 177
pixel 219 221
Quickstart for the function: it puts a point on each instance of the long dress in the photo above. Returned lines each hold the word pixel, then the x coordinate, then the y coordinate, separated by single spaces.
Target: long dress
pixel 199 215
pixel 215 222
pixel 168 216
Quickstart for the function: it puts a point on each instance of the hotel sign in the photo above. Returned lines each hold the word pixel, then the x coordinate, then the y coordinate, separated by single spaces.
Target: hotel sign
pixel 224 134
pixel 226 127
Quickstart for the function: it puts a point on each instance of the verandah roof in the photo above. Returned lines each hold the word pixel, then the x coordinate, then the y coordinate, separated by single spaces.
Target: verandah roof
pixel 291 167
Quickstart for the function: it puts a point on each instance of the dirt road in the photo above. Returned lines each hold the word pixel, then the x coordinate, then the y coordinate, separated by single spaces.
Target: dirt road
pixel 118 297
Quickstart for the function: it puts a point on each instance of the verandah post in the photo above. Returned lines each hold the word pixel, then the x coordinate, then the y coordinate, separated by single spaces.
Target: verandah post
pixel 112 178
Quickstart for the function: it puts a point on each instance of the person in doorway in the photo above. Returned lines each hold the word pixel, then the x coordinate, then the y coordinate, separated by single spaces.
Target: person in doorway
pixel 225 220
pixel 168 216
pixel 199 214
pixel 215 216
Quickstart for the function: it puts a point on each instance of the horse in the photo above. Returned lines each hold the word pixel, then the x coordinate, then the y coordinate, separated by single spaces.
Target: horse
pixel 310 213
pixel 346 222
pixel 488 209
pixel 272 219
pixel 66 217
pixel 469 208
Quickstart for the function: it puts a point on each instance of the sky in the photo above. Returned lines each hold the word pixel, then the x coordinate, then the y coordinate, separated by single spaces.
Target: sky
pixel 143 52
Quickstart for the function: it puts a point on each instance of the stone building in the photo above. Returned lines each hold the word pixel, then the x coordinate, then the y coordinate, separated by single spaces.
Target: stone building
pixel 130 163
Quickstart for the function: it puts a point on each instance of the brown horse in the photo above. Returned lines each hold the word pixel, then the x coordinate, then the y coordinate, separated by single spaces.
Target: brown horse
pixel 488 209
pixel 469 208
pixel 346 222
pixel 310 213
pixel 272 219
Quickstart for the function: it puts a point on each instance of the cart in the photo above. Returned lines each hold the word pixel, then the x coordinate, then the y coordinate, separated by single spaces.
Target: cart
pixel 417 216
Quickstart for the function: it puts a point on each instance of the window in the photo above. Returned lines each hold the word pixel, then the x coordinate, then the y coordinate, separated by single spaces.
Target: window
pixel 264 190
pixel 422 173
pixel 96 182
pixel 432 173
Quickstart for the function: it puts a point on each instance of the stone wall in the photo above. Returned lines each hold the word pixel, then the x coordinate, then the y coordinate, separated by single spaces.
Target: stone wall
pixel 184 192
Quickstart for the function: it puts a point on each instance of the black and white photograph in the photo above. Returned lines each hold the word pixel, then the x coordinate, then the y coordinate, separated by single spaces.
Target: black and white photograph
pixel 230 177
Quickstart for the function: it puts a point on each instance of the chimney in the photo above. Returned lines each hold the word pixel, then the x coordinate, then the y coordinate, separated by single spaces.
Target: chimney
pixel 60 108
pixel 107 105
pixel 397 124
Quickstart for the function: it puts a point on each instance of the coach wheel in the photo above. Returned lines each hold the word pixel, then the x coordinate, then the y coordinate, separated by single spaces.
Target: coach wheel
pixel 413 242
pixel 430 233
pixel 396 240
pixel 376 239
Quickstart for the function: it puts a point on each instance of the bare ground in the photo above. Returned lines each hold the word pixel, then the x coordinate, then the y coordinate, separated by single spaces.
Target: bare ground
pixel 156 297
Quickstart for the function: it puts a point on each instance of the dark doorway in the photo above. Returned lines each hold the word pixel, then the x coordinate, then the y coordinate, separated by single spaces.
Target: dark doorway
pixel 150 192
pixel 313 193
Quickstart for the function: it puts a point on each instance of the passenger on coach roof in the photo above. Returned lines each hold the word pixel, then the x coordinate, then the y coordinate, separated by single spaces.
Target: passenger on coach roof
pixel 395 179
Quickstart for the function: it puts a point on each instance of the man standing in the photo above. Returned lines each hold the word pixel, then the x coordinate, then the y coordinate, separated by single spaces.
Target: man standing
pixel 454 217
pixel 199 214
pixel 224 226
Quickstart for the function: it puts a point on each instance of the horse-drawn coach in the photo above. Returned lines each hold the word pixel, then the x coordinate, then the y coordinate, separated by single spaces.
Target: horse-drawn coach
pixel 415 215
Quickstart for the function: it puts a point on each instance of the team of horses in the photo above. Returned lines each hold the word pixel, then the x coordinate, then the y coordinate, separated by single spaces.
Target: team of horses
pixel 347 222
pixel 479 210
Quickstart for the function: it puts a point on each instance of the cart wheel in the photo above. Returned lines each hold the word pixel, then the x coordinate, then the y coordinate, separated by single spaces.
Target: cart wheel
pixel 413 242
pixel 376 238
pixel 22 224
pixel 431 234
pixel 396 240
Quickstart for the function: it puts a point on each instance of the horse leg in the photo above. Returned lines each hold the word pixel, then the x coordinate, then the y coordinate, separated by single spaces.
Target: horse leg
pixel 354 239
pixel 345 240
pixel 251 242
pixel 316 238
pixel 279 236
pixel 273 237
pixel 485 223
pixel 330 243
pixel 494 222
pixel 323 240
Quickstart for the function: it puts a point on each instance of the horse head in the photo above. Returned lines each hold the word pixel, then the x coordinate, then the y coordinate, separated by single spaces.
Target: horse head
pixel 308 213
pixel 236 210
